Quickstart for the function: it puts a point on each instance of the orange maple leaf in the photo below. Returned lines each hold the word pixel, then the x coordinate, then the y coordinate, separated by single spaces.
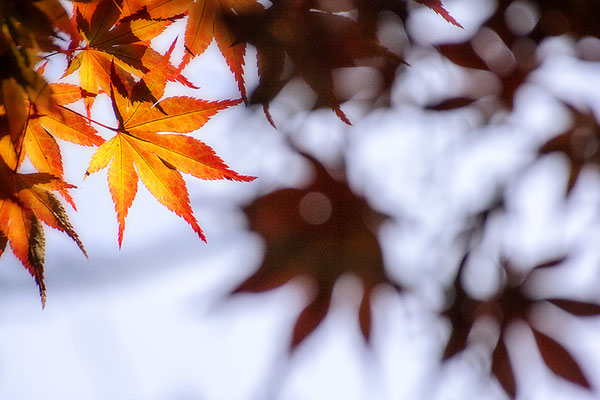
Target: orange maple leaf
pixel 137 151
pixel 44 125
pixel 205 23
pixel 25 199
pixel 107 41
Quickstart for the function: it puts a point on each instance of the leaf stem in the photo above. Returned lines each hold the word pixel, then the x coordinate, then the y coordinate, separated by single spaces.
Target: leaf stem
pixel 22 139
pixel 90 119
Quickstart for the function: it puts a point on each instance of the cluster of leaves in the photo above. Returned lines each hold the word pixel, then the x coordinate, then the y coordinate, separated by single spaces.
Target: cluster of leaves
pixel 321 232
pixel 511 303
pixel 310 40
pixel 505 45
pixel 514 300
pixel 505 48
pixel 107 44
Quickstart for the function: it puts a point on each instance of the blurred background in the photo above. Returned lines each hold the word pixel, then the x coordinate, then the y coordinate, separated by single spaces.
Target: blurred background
pixel 470 178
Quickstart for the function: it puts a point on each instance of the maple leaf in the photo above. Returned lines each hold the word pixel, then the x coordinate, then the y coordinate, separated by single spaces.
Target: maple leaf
pixel 108 41
pixel 34 25
pixel 512 61
pixel 513 301
pixel 27 28
pixel 320 232
pixel 64 123
pixel 511 68
pixel 205 23
pixel 25 200
pixel 579 143
pixel 43 125
pixel 138 152
pixel 36 138
pixel 15 94
pixel 316 42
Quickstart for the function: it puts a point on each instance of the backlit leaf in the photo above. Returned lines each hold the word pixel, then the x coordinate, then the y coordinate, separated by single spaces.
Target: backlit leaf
pixel 24 201
pixel 138 152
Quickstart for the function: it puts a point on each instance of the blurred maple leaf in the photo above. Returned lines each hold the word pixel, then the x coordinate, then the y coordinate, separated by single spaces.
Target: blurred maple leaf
pixel 320 232
pixel 27 28
pixel 580 143
pixel 506 43
pixel 513 301
pixel 307 40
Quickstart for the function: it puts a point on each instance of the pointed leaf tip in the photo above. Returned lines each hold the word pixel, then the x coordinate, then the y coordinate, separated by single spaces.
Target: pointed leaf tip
pixel 341 115
pixel 438 7
pixel 502 369
pixel 364 316
pixel 310 318
pixel 559 360
pixel 578 308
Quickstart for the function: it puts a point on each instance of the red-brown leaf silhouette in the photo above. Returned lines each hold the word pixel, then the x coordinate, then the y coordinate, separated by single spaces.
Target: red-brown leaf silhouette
pixel 304 40
pixel 312 316
pixel 578 308
pixel 512 302
pixel 510 53
pixel 451 104
pixel 502 369
pixel 460 315
pixel 498 48
pixel 321 232
pixel 579 144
